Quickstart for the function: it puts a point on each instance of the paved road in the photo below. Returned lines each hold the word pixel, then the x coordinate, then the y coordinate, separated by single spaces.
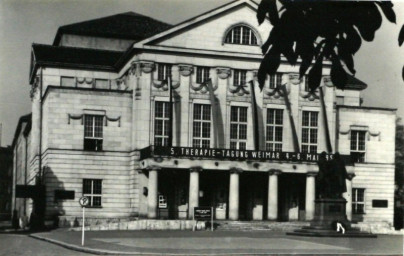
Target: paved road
pixel 228 242
pixel 22 245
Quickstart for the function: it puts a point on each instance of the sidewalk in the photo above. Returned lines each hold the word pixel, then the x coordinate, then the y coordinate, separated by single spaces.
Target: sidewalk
pixel 219 243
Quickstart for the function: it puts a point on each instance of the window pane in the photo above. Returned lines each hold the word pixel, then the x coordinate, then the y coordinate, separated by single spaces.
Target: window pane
pixel 278 134
pixel 206 112
pixel 270 133
pixel 305 118
pixel 243 114
pixel 305 135
pixel 279 116
pixel 233 131
pixel 233 144
pixel 234 114
pixel 86 186
pixel 197 111
pixel 206 130
pixel 313 135
pixel 272 82
pixel 197 129
pixel 242 145
pixel 270 116
pixel 236 35
pixel 243 131
pixel 246 35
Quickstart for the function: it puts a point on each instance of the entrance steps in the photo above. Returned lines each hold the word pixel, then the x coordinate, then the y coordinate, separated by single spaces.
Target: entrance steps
pixel 259 225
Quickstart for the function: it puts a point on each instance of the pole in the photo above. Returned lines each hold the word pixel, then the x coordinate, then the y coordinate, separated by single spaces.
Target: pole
pixel 211 221
pixel 193 218
pixel 82 232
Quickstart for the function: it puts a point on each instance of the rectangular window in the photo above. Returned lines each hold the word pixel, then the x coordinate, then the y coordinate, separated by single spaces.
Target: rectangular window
pixel 309 131
pixel 163 71
pixel 274 129
pixel 238 127
pixel 161 123
pixel 67 81
pixel 93 132
pixel 239 77
pixel 201 126
pixel 358 200
pixel 275 81
pixel 92 188
pixel 358 148
pixel 202 74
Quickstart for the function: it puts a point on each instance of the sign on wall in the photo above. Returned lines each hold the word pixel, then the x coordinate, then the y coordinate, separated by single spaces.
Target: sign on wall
pixel 232 154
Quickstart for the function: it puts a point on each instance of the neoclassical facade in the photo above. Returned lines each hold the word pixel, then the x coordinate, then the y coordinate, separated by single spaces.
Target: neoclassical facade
pixel 103 124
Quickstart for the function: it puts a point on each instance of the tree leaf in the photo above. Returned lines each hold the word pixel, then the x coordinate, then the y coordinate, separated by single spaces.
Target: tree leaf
pixel 346 57
pixel 267 6
pixel 401 36
pixel 273 12
pixel 315 74
pixel 305 50
pixel 353 40
pixel 262 11
pixel 338 75
pixel 269 65
pixel 387 8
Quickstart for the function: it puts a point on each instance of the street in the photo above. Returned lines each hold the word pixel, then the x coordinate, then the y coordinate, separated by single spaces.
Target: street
pixel 200 243
pixel 23 245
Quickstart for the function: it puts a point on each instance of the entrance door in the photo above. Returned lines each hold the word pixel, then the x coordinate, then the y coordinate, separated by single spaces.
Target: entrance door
pixel 291 196
pixel 252 194
pixel 173 194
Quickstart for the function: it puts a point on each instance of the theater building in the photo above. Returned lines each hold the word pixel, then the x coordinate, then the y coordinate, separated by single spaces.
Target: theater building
pixel 102 126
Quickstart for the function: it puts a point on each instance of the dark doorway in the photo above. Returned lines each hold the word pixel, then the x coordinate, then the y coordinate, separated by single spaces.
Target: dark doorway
pixel 291 196
pixel 173 194
pixel 214 187
pixel 253 195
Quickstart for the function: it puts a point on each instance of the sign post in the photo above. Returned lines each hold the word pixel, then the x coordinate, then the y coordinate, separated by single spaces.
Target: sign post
pixel 204 213
pixel 83 201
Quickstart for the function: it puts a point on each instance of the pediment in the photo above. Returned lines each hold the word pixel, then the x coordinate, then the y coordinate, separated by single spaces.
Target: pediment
pixel 207 32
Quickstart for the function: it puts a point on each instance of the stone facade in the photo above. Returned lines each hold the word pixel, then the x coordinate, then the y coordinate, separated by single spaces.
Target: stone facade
pixel 63 97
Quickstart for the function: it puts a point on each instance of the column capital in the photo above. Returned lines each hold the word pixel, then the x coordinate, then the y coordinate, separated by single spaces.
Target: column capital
pixel 311 173
pixel 274 172
pixel 236 170
pixel 350 176
pixel 196 169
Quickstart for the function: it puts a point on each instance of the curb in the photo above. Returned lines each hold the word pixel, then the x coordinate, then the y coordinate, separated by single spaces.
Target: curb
pixel 84 249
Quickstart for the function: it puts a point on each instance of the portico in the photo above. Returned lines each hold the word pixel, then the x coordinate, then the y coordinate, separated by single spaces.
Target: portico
pixel 228 186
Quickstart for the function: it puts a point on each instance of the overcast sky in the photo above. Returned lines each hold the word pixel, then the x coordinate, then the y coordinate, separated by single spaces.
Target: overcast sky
pixel 23 22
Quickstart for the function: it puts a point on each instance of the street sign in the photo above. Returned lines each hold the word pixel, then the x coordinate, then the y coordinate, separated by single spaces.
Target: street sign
pixel 202 213
pixel 84 201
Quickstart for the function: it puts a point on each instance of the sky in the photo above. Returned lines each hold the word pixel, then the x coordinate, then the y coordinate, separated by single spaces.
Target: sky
pixel 23 22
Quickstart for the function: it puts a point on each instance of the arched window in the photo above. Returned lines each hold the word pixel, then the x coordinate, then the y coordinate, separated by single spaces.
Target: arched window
pixel 241 35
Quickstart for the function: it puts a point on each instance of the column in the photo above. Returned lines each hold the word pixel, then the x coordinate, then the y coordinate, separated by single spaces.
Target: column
pixel 273 194
pixel 310 195
pixel 193 190
pixel 234 193
pixel 152 194
pixel 348 196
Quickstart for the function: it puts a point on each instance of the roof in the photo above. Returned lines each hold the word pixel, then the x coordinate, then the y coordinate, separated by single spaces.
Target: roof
pixel 73 57
pixel 355 84
pixel 128 25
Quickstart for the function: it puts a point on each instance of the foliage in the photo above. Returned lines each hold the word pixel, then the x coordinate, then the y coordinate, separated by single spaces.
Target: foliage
pixel 331 30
